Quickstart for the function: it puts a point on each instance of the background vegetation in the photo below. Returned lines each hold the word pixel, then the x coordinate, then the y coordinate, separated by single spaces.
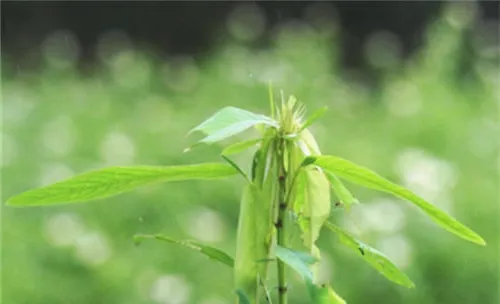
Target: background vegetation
pixel 430 123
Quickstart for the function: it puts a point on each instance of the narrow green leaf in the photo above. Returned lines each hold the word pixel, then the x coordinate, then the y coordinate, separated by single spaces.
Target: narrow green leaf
pixel 324 294
pixel 235 166
pixel 341 191
pixel 111 181
pixel 298 261
pixel 211 252
pixel 228 122
pixel 240 146
pixel 365 177
pixel 313 117
pixel 372 256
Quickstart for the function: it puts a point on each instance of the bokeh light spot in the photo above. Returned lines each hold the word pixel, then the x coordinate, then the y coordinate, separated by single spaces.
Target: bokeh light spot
pixel 246 22
pixel 117 149
pixel 61 49
pixel 170 289
pixel 59 136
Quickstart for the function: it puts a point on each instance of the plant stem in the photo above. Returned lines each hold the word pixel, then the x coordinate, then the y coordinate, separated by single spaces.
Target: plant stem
pixel 280 223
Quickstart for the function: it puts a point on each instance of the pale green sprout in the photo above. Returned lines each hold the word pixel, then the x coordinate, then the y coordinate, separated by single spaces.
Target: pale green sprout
pixel 287 192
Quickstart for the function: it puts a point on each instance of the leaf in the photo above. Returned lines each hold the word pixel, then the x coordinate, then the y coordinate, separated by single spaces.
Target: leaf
pixel 341 191
pixel 310 195
pixel 372 256
pixel 313 117
pixel 240 146
pixel 365 177
pixel 228 122
pixel 312 203
pixel 211 252
pixel 324 294
pixel 235 166
pixel 298 261
pixel 111 181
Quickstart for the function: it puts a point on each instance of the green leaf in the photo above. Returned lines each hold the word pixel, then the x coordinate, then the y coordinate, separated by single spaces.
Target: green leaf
pixel 341 191
pixel 235 166
pixel 228 122
pixel 313 117
pixel 372 256
pixel 312 205
pixel 240 146
pixel 324 294
pixel 298 261
pixel 365 177
pixel 211 252
pixel 111 181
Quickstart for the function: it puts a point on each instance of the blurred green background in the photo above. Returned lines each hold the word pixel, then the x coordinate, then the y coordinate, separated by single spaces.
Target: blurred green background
pixel 429 124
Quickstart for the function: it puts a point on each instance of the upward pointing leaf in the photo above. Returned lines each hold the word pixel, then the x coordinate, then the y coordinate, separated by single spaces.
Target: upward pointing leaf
pixel 209 251
pixel 314 116
pixel 228 122
pixel 111 181
pixel 372 256
pixel 365 177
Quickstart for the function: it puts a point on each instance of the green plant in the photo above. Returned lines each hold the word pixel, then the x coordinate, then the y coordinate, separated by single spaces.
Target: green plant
pixel 287 192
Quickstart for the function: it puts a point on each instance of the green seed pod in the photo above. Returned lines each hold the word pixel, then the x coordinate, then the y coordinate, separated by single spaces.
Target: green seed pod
pixel 255 227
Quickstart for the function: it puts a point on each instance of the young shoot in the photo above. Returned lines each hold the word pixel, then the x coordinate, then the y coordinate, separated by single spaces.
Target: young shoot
pixel 289 189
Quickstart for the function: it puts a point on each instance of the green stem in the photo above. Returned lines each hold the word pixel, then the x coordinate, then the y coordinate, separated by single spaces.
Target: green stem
pixel 280 223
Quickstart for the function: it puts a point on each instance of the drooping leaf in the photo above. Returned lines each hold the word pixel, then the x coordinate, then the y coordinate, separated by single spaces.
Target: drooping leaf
pixel 211 252
pixel 228 122
pixel 298 261
pixel 324 294
pixel 341 191
pixel 372 256
pixel 365 177
pixel 313 117
pixel 240 146
pixel 111 181
pixel 312 203
pixel 310 195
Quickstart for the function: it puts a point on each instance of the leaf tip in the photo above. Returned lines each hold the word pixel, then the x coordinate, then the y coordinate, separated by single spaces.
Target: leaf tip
pixel 480 241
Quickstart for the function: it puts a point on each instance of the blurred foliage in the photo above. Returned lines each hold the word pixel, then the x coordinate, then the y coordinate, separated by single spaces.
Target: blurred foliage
pixel 428 125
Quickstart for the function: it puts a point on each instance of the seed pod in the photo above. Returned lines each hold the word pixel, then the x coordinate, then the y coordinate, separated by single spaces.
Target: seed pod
pixel 255 225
